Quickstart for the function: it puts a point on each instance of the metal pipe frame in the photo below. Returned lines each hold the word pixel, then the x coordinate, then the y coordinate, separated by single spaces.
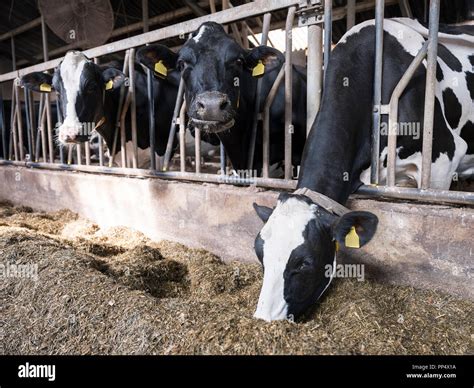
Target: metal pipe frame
pixel 425 196
pixel 289 93
pixel 182 137
pixel 266 121
pixel 258 93
pixel 393 114
pixel 327 32
pixel 314 73
pixel 351 13
pixel 377 92
pixel 428 118
pixel 172 134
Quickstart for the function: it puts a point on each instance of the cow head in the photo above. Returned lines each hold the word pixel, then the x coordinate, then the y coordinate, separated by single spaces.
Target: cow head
pixel 80 85
pixel 295 247
pixel 212 65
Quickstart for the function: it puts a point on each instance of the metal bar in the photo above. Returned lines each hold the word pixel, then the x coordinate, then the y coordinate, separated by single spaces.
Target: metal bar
pixel 377 92
pixel 13 125
pixel 182 137
pixel 12 42
pixel 405 8
pixel 327 32
pixel 172 134
pixel 197 140
pixel 59 118
pixel 118 119
pixel 428 117
pixel 289 93
pixel 393 114
pixel 19 119
pixel 222 158
pixel 44 148
pixel 412 194
pixel 266 121
pixel 258 93
pixel 351 13
pixel 314 74
pixel 38 129
pixel 19 30
pixel 69 154
pixel 133 106
pixel 79 153
pixel 123 137
pixel 230 15
pixel 101 149
pixel 28 124
pixel 2 123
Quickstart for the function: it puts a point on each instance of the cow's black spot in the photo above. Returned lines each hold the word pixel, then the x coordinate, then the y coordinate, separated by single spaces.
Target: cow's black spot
pixel 467 133
pixel 471 59
pixel 470 83
pixel 439 72
pixel 452 108
pixel 449 58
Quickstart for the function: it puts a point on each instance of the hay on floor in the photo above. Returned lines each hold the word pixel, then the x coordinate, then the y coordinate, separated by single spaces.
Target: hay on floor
pixel 116 292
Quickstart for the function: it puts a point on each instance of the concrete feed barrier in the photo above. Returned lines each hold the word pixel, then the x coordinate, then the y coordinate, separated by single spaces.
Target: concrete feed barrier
pixel 428 246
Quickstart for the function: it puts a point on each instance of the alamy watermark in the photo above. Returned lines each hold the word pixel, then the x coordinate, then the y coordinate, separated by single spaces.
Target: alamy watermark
pixel 356 271
pixel 243 177
pixel 16 270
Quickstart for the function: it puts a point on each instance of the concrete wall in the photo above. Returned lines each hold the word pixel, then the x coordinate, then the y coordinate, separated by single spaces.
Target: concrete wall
pixel 423 245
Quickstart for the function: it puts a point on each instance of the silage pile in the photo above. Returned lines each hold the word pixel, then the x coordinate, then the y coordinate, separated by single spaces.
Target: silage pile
pixel 116 292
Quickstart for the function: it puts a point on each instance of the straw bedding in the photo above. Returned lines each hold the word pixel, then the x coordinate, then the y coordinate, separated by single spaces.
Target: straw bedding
pixel 116 292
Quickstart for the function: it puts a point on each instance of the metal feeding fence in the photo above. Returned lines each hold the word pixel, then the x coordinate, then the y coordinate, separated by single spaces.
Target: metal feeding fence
pixel 318 16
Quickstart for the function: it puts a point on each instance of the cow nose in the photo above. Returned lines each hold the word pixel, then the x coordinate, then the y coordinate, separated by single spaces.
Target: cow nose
pixel 212 106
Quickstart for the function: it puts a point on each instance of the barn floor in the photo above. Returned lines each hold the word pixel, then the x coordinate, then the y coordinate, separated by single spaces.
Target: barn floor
pixel 116 292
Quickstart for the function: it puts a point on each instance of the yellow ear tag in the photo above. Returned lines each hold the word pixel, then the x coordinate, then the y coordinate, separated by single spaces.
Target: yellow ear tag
pixel 109 85
pixel 352 239
pixel 258 70
pixel 45 87
pixel 337 246
pixel 161 69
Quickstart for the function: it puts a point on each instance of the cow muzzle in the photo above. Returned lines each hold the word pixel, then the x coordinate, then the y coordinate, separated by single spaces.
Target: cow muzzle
pixel 212 112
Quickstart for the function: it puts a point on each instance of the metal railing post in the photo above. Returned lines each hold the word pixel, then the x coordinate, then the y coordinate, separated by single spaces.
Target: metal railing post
pixel 428 117
pixel 289 93
pixel 377 92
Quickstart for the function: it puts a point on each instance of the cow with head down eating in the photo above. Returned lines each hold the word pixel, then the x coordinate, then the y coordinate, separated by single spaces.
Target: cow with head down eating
pixel 304 231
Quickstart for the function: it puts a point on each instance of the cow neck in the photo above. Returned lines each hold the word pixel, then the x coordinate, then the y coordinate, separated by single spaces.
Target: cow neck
pixel 338 146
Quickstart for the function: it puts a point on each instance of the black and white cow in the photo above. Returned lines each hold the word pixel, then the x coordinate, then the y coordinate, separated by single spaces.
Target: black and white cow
pixel 89 93
pixel 299 237
pixel 220 80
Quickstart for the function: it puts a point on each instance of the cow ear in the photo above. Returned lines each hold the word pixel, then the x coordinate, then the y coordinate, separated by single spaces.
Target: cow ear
pixel 158 58
pixel 355 229
pixel 38 82
pixel 113 78
pixel 263 212
pixel 263 59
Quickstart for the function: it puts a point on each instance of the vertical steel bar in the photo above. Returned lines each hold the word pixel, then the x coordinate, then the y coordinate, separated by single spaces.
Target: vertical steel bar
pixel 289 93
pixel 31 103
pixel 327 32
pixel 172 133
pixel 44 148
pixel 351 13
pixel 2 123
pixel 19 119
pixel 393 114
pixel 222 158
pixel 44 38
pixel 38 129
pixel 133 107
pixel 197 155
pixel 258 93
pixel 118 120
pixel 59 118
pixel 123 137
pixel 266 122
pixel 428 117
pixel 377 92
pixel 79 153
pixel 314 74
pixel 28 124
pixel 182 137
pixel 12 42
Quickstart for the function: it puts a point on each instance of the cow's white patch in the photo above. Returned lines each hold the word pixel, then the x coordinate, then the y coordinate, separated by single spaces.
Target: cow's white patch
pixel 71 70
pixel 200 34
pixel 282 233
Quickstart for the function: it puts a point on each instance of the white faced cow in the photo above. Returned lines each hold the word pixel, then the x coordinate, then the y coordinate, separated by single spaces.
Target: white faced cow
pixel 300 234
